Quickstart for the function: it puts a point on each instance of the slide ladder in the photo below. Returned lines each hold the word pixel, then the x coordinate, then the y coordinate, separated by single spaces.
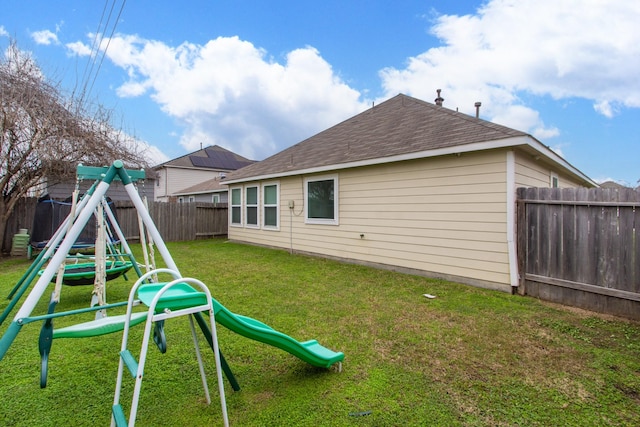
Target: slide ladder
pixel 180 297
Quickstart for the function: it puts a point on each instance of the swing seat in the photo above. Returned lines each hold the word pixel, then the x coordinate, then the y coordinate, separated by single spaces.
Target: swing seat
pixel 84 273
pixel 94 328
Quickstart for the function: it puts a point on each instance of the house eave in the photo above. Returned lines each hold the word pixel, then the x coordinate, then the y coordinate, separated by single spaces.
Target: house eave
pixel 192 168
pixel 195 193
pixel 516 141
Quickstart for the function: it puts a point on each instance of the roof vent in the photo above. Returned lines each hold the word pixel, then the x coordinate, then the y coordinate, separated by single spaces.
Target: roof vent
pixel 477 105
pixel 439 99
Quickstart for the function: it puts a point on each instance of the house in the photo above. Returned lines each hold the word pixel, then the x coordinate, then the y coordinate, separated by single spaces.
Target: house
pixel 405 185
pixel 176 178
pixel 209 191
pixel 116 192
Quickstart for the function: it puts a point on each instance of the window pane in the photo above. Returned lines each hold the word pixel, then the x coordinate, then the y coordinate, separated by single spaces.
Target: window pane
pixel 235 215
pixel 320 203
pixel 252 195
pixel 270 195
pixel 271 216
pixel 252 215
pixel 235 196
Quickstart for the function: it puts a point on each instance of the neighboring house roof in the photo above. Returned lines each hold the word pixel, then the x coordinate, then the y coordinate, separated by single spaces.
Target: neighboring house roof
pixel 212 157
pixel 614 185
pixel 210 186
pixel 401 128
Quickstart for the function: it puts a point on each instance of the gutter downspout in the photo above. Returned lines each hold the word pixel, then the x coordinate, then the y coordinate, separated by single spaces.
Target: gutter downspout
pixel 511 218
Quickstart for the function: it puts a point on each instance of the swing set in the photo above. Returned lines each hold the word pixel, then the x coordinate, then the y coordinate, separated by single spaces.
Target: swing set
pixel 151 301
pixel 55 255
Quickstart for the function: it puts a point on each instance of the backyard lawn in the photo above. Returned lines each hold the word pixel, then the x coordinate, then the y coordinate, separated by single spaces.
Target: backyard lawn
pixel 468 357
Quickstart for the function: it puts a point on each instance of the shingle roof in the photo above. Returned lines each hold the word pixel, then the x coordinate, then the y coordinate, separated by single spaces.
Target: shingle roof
pixel 400 125
pixel 210 186
pixel 212 157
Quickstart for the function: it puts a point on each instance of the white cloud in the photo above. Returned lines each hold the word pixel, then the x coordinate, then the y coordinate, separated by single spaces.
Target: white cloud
pixel 232 93
pixel 45 37
pixel 152 154
pixel 78 48
pixel 573 48
pixel 3 32
pixel 605 108
pixel 229 92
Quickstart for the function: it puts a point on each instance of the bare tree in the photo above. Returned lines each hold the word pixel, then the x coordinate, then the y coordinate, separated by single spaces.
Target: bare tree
pixel 44 135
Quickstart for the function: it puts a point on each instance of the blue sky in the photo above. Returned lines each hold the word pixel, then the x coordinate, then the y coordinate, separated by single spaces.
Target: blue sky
pixel 258 76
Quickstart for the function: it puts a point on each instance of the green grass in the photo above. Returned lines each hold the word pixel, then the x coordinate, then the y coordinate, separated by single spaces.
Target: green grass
pixel 470 357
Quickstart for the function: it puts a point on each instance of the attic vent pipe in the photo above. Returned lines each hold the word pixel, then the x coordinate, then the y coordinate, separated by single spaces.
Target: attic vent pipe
pixel 477 105
pixel 439 99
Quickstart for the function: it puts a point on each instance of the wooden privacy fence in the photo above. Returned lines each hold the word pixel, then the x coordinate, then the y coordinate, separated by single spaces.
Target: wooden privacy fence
pixel 581 247
pixel 175 221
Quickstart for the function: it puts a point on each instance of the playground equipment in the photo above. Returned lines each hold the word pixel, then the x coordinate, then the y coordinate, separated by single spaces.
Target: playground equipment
pixel 84 273
pixel 180 297
pixel 164 300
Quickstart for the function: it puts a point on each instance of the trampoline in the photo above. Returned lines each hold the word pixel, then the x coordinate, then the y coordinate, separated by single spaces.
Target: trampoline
pixel 50 213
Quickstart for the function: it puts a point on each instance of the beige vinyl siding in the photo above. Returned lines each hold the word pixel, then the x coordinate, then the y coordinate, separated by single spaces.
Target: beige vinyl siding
pixel 530 172
pixel 173 180
pixel 443 215
pixel 535 173
pixel 208 197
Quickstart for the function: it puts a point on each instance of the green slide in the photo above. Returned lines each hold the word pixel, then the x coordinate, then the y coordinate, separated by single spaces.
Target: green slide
pixel 309 351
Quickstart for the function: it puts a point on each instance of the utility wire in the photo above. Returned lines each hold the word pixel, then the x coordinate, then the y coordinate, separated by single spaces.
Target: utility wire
pixel 95 48
pixel 92 53
pixel 104 52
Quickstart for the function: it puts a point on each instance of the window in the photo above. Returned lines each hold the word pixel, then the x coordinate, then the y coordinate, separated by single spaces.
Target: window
pixel 251 206
pixel 321 205
pixel 180 199
pixel 215 198
pixel 192 199
pixel 554 182
pixel 270 205
pixel 236 206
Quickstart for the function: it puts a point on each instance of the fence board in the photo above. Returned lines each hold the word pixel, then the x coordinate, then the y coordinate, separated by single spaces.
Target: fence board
pixel 570 263
pixel 175 221
pixel 582 247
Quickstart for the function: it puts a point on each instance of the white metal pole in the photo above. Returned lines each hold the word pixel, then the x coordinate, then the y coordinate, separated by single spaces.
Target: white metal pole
pixel 116 226
pixel 61 253
pixel 151 227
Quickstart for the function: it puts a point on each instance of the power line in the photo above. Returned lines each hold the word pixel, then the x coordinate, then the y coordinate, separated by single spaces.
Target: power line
pixel 95 47
pixel 104 52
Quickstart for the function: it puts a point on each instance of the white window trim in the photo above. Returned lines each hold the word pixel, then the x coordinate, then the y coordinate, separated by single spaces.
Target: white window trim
pixel 336 197
pixel 553 176
pixel 231 206
pixel 257 205
pixel 277 206
pixel 215 198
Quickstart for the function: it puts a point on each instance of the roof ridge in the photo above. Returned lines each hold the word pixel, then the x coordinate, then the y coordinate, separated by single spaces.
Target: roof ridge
pixel 398 126
pixel 467 117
